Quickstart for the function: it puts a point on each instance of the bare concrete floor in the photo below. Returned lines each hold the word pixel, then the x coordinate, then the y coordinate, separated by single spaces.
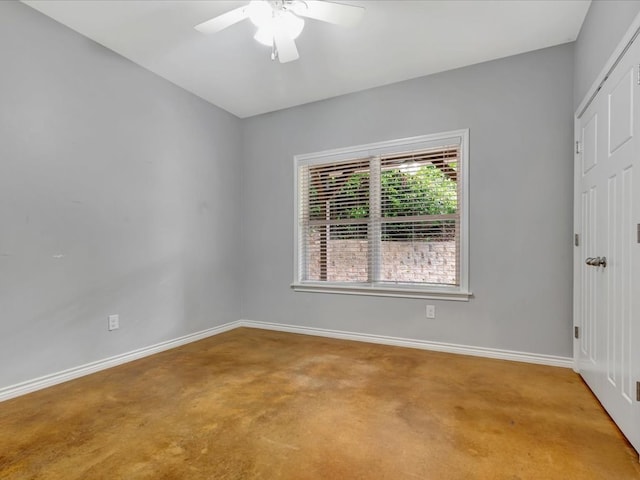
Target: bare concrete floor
pixel 254 404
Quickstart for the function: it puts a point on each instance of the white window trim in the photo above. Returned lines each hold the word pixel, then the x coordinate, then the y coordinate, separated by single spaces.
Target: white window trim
pixel 437 292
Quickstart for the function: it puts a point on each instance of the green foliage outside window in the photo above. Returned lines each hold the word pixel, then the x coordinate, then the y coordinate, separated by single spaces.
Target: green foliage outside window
pixel 428 191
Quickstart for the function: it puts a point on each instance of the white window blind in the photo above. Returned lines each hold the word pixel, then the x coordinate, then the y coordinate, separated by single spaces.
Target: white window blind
pixel 389 217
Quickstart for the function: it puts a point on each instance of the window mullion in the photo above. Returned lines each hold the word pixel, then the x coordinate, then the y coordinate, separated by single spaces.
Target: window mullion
pixel 303 222
pixel 374 230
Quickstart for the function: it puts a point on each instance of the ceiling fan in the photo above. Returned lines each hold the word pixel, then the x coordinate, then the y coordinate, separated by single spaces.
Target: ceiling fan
pixel 280 22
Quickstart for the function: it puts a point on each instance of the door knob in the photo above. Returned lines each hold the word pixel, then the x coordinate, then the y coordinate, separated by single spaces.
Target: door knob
pixel 596 261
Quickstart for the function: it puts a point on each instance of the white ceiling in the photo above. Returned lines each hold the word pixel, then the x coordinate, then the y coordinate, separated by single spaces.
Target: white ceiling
pixel 395 41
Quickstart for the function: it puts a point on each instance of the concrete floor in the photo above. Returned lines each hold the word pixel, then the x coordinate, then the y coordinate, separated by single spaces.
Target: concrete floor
pixel 254 404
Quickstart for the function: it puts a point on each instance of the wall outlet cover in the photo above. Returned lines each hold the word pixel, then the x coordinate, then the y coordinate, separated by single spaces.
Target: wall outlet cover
pixel 114 322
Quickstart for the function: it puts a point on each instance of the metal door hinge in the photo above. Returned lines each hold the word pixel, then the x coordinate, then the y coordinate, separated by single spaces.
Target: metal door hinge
pixel 578 149
pixel 638 228
pixel 638 391
pixel 576 332
pixel 576 240
pixel 638 76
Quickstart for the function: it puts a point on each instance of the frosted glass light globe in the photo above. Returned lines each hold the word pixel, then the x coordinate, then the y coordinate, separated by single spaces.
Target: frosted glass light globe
pixel 260 12
pixel 264 35
pixel 285 22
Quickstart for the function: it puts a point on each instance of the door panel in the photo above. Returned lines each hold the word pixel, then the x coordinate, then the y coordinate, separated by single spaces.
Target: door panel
pixel 612 319
pixel 589 144
pixel 625 281
pixel 621 112
pixel 589 277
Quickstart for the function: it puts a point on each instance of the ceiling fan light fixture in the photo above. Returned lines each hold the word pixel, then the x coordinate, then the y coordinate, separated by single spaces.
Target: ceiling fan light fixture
pixel 260 12
pixel 280 22
pixel 264 35
pixel 285 22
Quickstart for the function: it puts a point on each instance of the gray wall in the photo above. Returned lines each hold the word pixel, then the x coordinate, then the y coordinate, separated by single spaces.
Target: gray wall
pixel 119 193
pixel 602 30
pixel 519 111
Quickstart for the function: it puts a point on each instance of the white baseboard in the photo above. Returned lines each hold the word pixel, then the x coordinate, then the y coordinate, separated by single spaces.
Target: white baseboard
pixel 29 386
pixel 540 359
pixel 55 378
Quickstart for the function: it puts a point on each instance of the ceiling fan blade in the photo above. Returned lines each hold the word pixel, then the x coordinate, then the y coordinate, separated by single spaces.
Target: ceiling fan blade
pixel 287 50
pixel 336 13
pixel 223 21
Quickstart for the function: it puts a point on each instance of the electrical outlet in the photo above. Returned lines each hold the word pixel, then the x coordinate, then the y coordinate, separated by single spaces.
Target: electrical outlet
pixel 114 322
pixel 431 311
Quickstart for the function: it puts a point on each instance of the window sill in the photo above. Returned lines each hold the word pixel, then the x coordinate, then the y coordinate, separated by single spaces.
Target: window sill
pixel 384 291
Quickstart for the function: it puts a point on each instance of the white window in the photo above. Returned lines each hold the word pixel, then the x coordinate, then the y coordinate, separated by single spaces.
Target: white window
pixel 388 218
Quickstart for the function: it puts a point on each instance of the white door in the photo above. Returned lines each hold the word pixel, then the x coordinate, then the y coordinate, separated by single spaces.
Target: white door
pixel 607 258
